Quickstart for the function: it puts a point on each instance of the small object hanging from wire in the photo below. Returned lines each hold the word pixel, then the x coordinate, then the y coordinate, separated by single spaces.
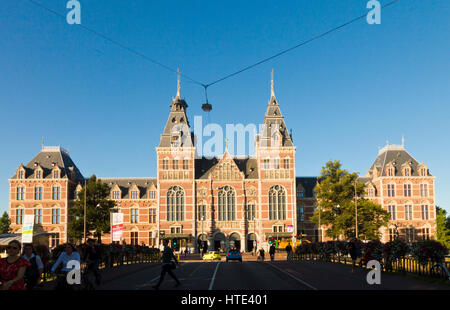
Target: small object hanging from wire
pixel 206 106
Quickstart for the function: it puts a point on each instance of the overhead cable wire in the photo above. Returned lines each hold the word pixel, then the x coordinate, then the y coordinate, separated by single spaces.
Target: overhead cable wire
pixel 205 86
pixel 295 46
pixel 123 46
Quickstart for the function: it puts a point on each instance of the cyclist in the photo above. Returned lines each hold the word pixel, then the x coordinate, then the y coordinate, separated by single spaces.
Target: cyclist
pixel 69 254
pixel 272 252
pixel 92 257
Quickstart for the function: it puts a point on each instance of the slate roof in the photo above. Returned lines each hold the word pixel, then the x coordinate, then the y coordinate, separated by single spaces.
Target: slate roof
pixel 177 121
pixel 272 118
pixel 205 166
pixel 125 184
pixel 308 184
pixel 49 156
pixel 397 155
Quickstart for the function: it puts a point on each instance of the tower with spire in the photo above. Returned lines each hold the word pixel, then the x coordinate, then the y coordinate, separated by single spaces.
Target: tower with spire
pixel 176 172
pixel 275 154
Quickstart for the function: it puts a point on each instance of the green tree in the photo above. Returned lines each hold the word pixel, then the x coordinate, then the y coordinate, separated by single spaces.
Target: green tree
pixel 98 209
pixel 335 195
pixel 5 223
pixel 442 230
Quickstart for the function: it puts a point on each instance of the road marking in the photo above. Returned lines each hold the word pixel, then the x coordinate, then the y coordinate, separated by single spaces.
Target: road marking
pixel 152 280
pixel 214 277
pixel 294 277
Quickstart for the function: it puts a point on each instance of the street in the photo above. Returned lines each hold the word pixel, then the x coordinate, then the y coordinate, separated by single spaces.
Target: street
pixel 278 275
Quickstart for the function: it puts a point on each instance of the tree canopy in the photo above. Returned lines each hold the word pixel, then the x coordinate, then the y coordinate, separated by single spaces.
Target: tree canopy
pixel 335 193
pixel 98 209
pixel 442 229
pixel 5 223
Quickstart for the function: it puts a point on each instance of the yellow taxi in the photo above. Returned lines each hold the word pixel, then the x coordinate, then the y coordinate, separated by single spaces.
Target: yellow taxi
pixel 212 255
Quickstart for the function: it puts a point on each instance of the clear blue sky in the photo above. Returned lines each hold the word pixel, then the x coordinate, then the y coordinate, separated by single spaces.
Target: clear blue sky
pixel 343 95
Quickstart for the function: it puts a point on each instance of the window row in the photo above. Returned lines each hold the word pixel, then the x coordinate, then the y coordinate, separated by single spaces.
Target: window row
pixel 406 172
pixel 38 174
pixel 409 234
pixel 116 195
pixel 408 212
pixel 175 164
pixel 276 163
pixel 56 216
pixel 39 193
pixel 407 191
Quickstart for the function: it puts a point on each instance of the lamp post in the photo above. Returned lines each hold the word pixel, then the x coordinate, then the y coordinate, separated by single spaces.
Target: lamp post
pixel 203 219
pixel 84 216
pixel 320 227
pixel 356 213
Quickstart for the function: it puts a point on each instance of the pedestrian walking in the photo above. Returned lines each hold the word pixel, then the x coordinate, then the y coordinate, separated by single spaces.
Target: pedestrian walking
pixel 13 268
pixel 261 254
pixel 289 251
pixel 33 272
pixel 169 262
pixel 352 250
pixel 272 252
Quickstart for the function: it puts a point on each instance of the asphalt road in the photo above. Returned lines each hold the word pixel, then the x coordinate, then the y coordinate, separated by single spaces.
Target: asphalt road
pixel 278 275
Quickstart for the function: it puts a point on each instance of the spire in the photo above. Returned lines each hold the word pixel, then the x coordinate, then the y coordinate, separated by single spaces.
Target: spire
pixel 272 91
pixel 226 145
pixel 403 141
pixel 178 84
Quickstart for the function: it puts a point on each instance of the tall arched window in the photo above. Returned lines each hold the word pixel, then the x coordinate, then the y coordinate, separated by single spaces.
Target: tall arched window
pixel 227 204
pixel 175 204
pixel 277 203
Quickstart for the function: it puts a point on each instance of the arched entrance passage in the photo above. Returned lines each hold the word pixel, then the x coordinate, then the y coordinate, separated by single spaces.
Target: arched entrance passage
pixel 251 242
pixel 235 241
pixel 219 241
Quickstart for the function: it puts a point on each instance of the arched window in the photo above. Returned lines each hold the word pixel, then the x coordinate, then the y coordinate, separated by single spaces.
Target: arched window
pixel 277 203
pixel 227 204
pixel 175 204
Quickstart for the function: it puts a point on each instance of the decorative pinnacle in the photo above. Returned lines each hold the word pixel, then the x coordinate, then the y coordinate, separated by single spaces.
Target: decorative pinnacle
pixel 272 92
pixel 178 84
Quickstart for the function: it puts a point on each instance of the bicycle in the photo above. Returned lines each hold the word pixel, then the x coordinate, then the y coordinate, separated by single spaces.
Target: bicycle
pixel 438 269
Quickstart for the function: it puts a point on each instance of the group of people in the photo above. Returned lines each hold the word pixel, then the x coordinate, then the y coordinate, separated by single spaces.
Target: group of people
pixel 24 272
pixel 272 251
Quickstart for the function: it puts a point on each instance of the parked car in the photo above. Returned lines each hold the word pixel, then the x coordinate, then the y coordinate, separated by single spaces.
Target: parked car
pixel 212 255
pixel 234 255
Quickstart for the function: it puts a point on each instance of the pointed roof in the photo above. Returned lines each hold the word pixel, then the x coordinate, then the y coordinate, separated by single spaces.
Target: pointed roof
pixel 274 121
pixel 397 156
pixel 48 158
pixel 177 122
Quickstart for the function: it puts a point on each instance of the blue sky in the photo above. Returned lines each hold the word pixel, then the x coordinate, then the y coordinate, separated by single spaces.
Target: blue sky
pixel 343 96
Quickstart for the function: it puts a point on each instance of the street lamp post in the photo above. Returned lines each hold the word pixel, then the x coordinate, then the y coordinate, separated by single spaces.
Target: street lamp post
pixel 320 227
pixel 84 216
pixel 203 219
pixel 356 213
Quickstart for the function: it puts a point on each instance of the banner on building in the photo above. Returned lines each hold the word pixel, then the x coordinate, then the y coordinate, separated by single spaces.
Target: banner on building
pixel 290 228
pixel 27 228
pixel 117 226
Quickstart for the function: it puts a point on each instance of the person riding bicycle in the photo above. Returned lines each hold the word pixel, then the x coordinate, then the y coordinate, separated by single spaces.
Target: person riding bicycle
pixel 70 254
pixel 92 257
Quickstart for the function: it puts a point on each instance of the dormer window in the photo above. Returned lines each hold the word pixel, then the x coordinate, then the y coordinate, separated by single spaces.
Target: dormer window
pixel 152 195
pixel 391 171
pixel 423 172
pixel 115 195
pixel 21 174
pixel 134 195
pixel 56 174
pixel 407 172
pixel 38 174
pixel 370 192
